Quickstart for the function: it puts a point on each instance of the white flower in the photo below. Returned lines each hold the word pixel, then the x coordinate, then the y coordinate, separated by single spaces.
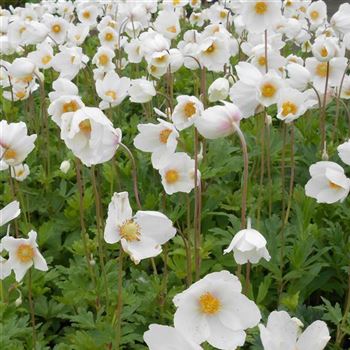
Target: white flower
pixel 65 166
pixel 187 110
pixel 218 90
pixel 87 14
pixel 168 24
pixel 345 91
pixel 104 58
pixel 42 56
pixel 269 88
pixel 77 34
pixel 317 13
pixel 344 152
pixel 63 87
pixel 20 172
pixel 23 254
pixel 90 135
pixel 324 48
pixel 57 28
pixel 141 91
pixel 214 310
pixel 160 139
pixel 15 144
pixel 340 21
pixel 299 76
pixel 162 337
pixel 5 268
pixel 10 212
pixel 248 245
pixel 282 332
pixel 141 235
pixel 133 49
pixel 109 37
pixel 219 121
pixel 328 183
pixel 22 68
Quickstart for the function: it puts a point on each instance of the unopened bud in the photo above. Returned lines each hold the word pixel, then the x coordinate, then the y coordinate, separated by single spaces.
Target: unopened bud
pixel 18 301
pixel 324 153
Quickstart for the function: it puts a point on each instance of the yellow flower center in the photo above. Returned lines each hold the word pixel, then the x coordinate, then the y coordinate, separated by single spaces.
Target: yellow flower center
pixel 321 69
pixel 194 2
pixel 209 304
pixel 324 52
pixel 85 126
pixel 171 29
pixel 130 231
pixel 176 2
pixel 268 90
pixel 172 176
pixel 334 186
pixel 56 28
pixel 103 59
pixel 10 154
pixel 314 15
pixel 261 7
pixel 20 94
pixel 46 59
pixel 262 61
pixel 223 14
pixel 25 253
pixel 86 14
pixel 288 3
pixel 109 37
pixel 112 94
pixel 164 135
pixel 27 79
pixel 289 108
pixel 70 106
pixel 210 49
pixel 189 109
pixel 161 59
pixel 20 173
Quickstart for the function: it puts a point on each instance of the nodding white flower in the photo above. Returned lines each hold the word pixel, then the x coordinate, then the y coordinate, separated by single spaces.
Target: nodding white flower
pixel 58 27
pixel 141 90
pixel 141 235
pixel 43 55
pixel 219 121
pixel 15 143
pixel 112 90
pixel 176 60
pixel 292 104
pixel 344 152
pixel 178 173
pixel 248 245
pixel 109 37
pixel 88 14
pixel 103 59
pixel 63 87
pixel 9 212
pixel 317 13
pixel 23 254
pixel 65 166
pixel 159 139
pixel 5 268
pixel 157 71
pixel 153 42
pixel 23 69
pixel 214 53
pixel 282 332
pixel 69 61
pixel 260 15
pixel 160 337
pixel 328 183
pixel 274 59
pixel 340 21
pixel 20 172
pixel 318 70
pixel 159 58
pixel 218 14
pixel 269 88
pixel 170 5
pixel 133 50
pixel 64 104
pixel 298 76
pixel 108 21
pixel 218 90
pixel 167 23
pixel 197 18
pixel 133 29
pixel 214 310
pixel 187 110
pixel 324 48
pixel 77 34
pixel 90 135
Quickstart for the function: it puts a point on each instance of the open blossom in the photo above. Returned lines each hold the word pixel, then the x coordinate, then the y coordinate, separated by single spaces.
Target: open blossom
pixel 9 212
pixel 159 139
pixel 328 183
pixel 141 235
pixel 214 310
pixel 20 172
pixel 167 338
pixel 248 245
pixel 344 152
pixel 90 135
pixel 15 143
pixel 103 58
pixel 282 332
pixel 219 121
pixel 187 110
pixel 23 254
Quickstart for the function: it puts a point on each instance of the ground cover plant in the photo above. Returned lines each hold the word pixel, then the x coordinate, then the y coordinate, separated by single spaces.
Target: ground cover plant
pixel 174 175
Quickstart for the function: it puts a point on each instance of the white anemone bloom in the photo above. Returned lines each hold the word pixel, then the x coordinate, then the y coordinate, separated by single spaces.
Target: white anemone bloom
pixel 90 135
pixel 141 235
pixel 57 28
pixel 42 56
pixel 317 13
pixel 218 90
pixel 159 139
pixel 344 152
pixel 112 90
pixel 15 143
pixel 103 58
pixel 340 21
pixel 160 337
pixel 141 90
pixel 219 121
pixel 214 310
pixel 23 254
pixel 328 183
pixel 5 268
pixel 298 76
pixel 62 87
pixel 168 24
pixel 178 173
pixel 9 212
pixel 187 110
pixel 248 245
pixel 282 332
pixel 20 172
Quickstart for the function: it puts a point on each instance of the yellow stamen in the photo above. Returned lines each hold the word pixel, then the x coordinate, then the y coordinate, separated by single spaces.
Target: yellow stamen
pixel 112 94
pixel 262 61
pixel 46 59
pixel 130 231
pixel 289 108
pixel 334 186
pixel 20 94
pixel 268 90
pixel 56 28
pixel 189 109
pixel 172 176
pixel 86 14
pixel 314 15
pixel 70 106
pixel 9 154
pixel 103 59
pixel 324 52
pixel 109 37
pixel 321 69
pixel 261 7
pixel 25 253
pixel 210 49
pixel 85 126
pixel 171 29
pixel 209 304
pixel 164 135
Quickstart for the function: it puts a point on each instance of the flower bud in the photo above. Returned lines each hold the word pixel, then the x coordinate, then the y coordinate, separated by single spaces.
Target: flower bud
pixel 65 166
